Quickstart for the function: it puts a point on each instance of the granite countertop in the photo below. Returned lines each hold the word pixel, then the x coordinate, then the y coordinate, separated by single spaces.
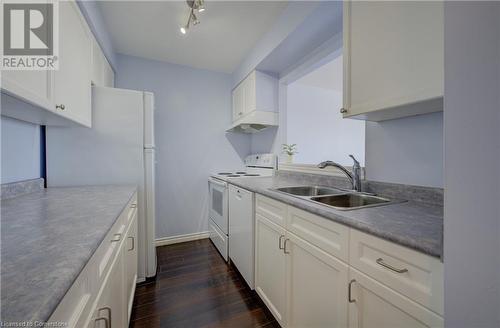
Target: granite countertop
pixel 416 225
pixel 47 238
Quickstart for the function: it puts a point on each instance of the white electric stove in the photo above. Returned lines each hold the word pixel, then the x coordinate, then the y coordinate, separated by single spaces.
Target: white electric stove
pixel 256 165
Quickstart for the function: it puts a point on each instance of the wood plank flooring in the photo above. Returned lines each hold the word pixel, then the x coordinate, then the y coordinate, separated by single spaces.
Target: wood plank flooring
pixel 196 288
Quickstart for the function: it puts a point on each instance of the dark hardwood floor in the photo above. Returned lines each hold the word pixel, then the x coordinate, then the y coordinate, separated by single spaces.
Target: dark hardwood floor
pixel 196 288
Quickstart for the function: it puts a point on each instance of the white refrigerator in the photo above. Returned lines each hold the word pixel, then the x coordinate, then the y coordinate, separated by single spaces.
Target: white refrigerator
pixel 118 149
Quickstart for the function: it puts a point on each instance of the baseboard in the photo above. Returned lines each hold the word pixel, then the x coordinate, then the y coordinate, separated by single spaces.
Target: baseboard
pixel 182 238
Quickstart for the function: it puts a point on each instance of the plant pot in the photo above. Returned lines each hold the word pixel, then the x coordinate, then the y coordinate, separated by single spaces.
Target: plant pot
pixel 289 159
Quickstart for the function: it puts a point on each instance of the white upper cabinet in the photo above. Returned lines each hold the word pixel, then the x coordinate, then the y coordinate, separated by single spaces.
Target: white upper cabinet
pixel 393 59
pixel 258 91
pixel 63 96
pixel 72 90
pixel 102 73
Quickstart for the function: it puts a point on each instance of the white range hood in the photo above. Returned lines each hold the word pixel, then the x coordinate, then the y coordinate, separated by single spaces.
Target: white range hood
pixel 255 121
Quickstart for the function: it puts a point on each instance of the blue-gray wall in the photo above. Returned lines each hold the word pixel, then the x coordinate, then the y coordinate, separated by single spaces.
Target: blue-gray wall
pixel 407 150
pixel 472 159
pixel 20 155
pixel 193 110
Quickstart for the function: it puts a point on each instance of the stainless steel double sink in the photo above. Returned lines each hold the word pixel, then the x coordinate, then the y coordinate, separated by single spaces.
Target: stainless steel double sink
pixel 340 199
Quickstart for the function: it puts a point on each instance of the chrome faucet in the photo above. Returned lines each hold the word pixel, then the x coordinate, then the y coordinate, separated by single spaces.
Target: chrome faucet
pixel 354 177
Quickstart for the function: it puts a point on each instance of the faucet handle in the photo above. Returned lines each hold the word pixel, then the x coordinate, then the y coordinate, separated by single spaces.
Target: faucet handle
pixel 356 163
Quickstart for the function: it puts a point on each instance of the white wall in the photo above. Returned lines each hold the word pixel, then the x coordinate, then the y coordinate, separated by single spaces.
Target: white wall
pixel 472 165
pixel 193 109
pixel 20 142
pixel 407 150
pixel 315 124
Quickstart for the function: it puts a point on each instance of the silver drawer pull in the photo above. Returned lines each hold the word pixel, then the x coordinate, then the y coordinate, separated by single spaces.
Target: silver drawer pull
pixel 349 293
pixel 281 242
pixel 106 322
pixel 284 246
pixel 107 309
pixel 133 243
pixel 133 206
pixel 116 237
pixel 381 262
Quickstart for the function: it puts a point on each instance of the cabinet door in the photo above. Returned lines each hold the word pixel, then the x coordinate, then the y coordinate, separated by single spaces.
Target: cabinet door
pixel 238 102
pixel 375 305
pixel 130 265
pixel 110 309
pixel 391 59
pixel 250 94
pixel 72 86
pixel 270 266
pixel 97 64
pixel 32 86
pixel 316 286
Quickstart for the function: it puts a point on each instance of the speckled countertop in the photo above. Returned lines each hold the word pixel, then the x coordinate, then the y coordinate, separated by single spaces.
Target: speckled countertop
pixel 416 225
pixel 47 237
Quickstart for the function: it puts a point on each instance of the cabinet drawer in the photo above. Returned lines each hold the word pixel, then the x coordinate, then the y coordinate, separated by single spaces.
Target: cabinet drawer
pixel 330 236
pixel 411 273
pixel 271 209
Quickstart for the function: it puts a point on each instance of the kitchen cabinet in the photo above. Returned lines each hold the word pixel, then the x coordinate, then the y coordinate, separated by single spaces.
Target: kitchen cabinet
pixel 330 275
pixel 34 87
pixel 130 264
pixel 393 62
pixel 102 295
pixel 102 73
pixel 316 286
pixel 72 91
pixel 374 305
pixel 257 92
pixel 270 266
pixel 110 309
pixel 61 97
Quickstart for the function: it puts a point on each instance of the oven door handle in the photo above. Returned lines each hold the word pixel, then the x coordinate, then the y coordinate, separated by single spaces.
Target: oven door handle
pixel 218 183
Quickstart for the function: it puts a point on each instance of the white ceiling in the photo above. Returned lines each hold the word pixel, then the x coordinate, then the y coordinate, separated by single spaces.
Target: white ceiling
pixel 328 76
pixel 227 32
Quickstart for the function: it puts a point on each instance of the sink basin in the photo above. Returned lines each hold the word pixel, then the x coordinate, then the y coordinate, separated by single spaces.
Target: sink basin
pixel 310 191
pixel 351 201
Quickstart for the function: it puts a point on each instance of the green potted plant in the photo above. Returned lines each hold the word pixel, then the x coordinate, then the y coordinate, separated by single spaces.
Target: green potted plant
pixel 289 150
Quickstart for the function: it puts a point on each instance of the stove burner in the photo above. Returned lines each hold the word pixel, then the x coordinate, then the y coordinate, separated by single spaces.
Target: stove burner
pixel 224 173
pixel 233 176
pixel 240 172
pixel 251 175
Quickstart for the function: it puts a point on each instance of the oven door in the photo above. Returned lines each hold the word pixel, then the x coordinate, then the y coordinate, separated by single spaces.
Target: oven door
pixel 218 206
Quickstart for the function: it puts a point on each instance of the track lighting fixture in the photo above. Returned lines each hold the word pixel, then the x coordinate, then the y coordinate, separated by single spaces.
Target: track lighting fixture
pixel 195 5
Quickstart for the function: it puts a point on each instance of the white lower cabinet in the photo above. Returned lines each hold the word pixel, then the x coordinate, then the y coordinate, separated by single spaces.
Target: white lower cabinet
pixel 102 295
pixel 316 286
pixel 305 274
pixel 110 309
pixel 270 266
pixel 130 266
pixel 374 305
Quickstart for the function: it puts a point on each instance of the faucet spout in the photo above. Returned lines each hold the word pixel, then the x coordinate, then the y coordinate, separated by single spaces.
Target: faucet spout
pixel 354 177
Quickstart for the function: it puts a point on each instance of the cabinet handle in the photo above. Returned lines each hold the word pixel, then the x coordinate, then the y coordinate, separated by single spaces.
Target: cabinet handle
pixel 106 322
pixel 61 107
pixel 380 261
pixel 116 237
pixel 107 309
pixel 281 238
pixel 133 243
pixel 343 110
pixel 284 246
pixel 133 206
pixel 349 298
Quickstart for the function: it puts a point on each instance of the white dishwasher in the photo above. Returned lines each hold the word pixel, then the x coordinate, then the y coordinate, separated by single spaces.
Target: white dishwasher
pixel 241 232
